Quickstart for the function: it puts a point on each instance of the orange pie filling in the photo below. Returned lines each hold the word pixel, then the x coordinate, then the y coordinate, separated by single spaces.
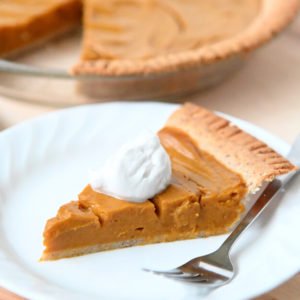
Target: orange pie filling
pixel 141 29
pixel 26 22
pixel 204 198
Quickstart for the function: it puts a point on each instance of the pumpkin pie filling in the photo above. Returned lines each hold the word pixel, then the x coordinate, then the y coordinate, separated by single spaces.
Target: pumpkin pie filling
pixel 26 22
pixel 141 29
pixel 202 199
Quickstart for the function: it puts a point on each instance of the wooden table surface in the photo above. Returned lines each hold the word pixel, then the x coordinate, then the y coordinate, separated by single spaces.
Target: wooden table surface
pixel 265 92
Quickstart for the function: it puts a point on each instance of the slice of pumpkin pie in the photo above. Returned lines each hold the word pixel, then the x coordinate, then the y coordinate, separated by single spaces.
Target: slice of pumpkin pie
pixel 214 166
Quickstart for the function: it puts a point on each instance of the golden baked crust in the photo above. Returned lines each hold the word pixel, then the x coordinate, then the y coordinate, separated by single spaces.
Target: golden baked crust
pixel 238 150
pixel 274 15
pixel 55 255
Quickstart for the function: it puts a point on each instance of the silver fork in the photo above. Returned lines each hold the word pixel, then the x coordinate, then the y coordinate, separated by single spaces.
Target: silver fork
pixel 216 269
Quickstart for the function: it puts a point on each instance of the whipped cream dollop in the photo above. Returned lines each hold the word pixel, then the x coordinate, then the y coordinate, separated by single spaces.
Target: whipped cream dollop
pixel 138 171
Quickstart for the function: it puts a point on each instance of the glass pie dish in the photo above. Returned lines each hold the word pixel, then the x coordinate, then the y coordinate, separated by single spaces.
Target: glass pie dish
pixel 40 75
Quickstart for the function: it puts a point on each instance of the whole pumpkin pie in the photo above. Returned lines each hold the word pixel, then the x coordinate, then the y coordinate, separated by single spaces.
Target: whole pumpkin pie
pixel 151 36
pixel 214 166
pixel 145 36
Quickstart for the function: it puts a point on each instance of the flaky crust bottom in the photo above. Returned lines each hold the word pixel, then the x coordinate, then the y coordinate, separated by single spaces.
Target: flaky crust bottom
pixel 66 253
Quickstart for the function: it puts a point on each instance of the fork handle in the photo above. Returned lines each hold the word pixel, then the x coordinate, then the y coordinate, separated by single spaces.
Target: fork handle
pixel 266 196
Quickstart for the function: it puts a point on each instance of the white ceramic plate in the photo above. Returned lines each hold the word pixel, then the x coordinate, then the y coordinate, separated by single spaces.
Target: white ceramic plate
pixel 46 162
